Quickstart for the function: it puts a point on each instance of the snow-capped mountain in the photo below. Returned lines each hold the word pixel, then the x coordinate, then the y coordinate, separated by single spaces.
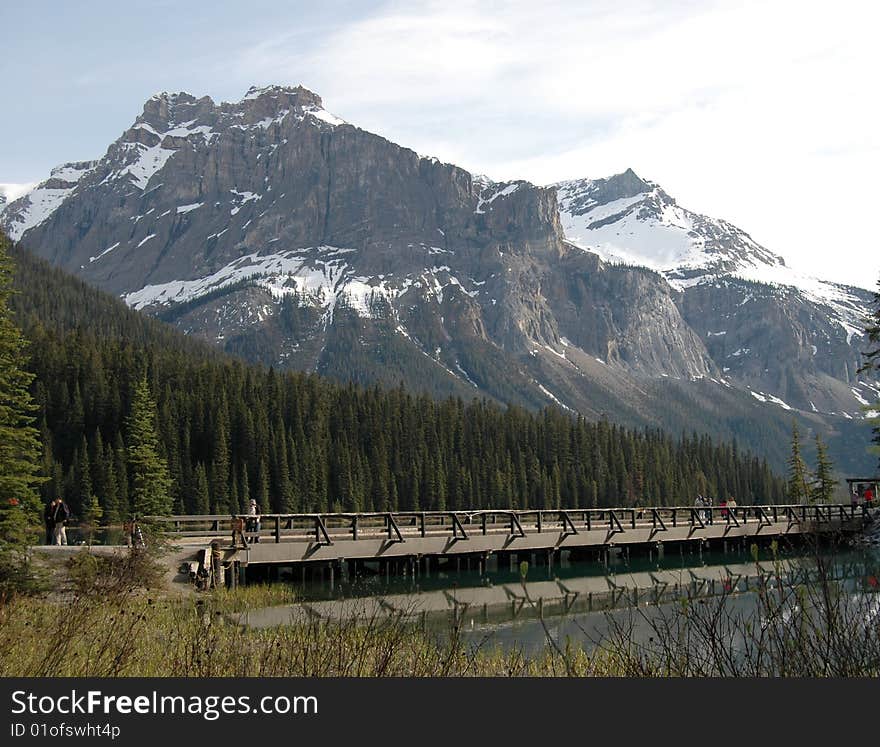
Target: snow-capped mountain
pixel 291 237
pixel 625 219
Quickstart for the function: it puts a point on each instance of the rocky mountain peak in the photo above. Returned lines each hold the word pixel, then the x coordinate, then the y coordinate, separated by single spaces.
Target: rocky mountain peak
pixel 165 112
pixel 627 184
pixel 624 218
pixel 168 109
pixel 281 97
pixel 582 195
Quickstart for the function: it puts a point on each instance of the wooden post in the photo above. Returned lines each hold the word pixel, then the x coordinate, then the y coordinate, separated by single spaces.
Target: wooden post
pixel 216 565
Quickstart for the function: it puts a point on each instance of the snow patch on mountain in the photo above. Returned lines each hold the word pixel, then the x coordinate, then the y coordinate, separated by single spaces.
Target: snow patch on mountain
pixel 488 193
pixel 143 164
pixel 35 205
pixel 318 275
pixel 324 116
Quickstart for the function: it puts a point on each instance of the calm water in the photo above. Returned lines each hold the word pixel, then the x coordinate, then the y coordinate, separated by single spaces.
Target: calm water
pixel 580 601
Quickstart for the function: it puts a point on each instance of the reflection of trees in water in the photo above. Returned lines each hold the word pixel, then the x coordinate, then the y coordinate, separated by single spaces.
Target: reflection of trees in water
pixel 819 620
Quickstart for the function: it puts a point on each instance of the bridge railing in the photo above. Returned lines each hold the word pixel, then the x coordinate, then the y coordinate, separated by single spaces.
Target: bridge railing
pixel 323 528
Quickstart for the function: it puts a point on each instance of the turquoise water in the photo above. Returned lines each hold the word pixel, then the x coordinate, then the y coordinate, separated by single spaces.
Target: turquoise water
pixel 582 602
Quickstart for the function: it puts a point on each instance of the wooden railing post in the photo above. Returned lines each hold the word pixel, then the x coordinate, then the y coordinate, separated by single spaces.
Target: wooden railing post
pixel 277 529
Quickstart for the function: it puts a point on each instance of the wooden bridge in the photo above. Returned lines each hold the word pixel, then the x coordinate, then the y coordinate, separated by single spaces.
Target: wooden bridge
pixel 339 542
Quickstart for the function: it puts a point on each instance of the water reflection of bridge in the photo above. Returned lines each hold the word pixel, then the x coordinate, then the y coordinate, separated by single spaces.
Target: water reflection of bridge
pixel 508 601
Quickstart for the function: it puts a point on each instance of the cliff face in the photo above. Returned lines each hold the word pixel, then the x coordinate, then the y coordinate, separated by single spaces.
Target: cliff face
pixel 285 235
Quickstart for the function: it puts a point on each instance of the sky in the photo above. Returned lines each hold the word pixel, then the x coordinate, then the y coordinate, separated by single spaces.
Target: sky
pixel 762 113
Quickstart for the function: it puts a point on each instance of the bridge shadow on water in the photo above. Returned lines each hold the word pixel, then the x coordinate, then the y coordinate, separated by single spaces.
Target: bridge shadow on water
pixel 582 601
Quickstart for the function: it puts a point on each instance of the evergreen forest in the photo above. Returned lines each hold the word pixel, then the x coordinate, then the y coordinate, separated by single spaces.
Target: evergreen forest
pixel 295 442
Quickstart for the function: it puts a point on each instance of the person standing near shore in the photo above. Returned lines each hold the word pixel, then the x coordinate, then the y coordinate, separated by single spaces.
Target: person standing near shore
pixel 49 521
pixel 60 516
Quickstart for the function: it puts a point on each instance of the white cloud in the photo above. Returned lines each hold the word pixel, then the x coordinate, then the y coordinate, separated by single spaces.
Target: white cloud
pixel 14 191
pixel 760 112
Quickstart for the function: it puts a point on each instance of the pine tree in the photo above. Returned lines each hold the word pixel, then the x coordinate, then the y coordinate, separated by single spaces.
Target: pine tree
pixel 91 515
pixel 201 500
pixel 148 471
pixel 798 489
pixel 262 496
pixel 84 492
pixel 872 363
pixel 823 487
pixel 119 462
pixel 20 449
pixel 110 494
pixel 220 499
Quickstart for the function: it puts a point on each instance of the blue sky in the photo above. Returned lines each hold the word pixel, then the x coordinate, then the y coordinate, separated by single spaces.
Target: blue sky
pixel 763 113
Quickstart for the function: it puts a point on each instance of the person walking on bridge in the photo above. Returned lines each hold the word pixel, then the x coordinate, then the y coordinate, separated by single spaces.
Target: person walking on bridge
pixel 253 521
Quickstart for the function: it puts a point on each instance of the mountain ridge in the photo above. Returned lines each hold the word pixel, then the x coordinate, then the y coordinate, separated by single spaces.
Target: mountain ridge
pixel 273 228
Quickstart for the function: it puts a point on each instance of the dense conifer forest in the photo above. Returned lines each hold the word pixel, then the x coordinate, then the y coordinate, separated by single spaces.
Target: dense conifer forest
pixel 296 442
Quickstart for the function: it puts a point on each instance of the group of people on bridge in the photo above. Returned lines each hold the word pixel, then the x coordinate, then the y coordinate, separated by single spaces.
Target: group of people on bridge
pixel 862 494
pixel 705 504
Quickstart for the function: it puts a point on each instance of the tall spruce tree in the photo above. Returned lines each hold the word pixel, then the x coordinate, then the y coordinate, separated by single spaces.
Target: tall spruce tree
pixel 148 470
pixel 201 495
pixel 872 363
pixel 798 488
pixel 823 487
pixel 20 450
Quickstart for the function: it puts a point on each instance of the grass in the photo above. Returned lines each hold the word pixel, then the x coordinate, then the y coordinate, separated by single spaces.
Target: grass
pixel 112 620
